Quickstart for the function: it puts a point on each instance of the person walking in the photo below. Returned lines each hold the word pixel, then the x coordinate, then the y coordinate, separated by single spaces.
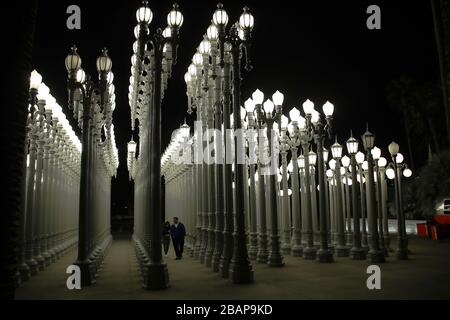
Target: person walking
pixel 178 232
pixel 166 237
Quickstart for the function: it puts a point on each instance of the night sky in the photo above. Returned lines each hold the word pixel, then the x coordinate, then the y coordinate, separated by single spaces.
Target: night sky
pixel 321 51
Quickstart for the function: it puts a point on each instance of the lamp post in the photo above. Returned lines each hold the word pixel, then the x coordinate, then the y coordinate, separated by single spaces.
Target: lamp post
pixel 357 252
pixel 375 255
pixel 345 161
pixel 216 79
pixel 275 258
pixel 360 159
pixel 376 154
pixel 286 218
pixel 79 83
pixel 397 163
pixel 262 255
pixel 315 218
pixel 341 249
pixel 323 129
pixel 238 37
pixel 306 136
pixel 163 48
pixel 382 163
pixel 252 138
pixel 294 143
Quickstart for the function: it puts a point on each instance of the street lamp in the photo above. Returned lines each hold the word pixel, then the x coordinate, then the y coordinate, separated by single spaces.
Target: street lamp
pixel 240 268
pixel 375 254
pixel 82 87
pixel 285 202
pixel 294 142
pixel 341 249
pixel 376 154
pixel 345 161
pixel 397 164
pixel 250 108
pixel 270 118
pixel 152 64
pixel 263 252
pixel 356 252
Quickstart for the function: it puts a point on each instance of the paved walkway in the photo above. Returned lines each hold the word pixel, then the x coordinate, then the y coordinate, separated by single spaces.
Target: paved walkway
pixel 425 276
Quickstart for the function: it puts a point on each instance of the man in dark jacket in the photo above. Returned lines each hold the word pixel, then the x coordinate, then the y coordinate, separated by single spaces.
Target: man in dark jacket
pixel 177 231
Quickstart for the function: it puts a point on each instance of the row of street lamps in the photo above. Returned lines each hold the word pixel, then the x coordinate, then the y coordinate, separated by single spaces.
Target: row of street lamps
pixel 330 213
pixel 50 183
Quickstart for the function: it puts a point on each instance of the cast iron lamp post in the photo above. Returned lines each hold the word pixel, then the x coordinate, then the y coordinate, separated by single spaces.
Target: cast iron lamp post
pixel 375 255
pixel 397 163
pixel 341 249
pixel 79 83
pixel 285 202
pixel 158 49
pixel 275 258
pixel 376 154
pixel 294 143
pixel 263 252
pixel 252 138
pixel 357 252
pixel 238 38
pixel 360 159
pixel 347 183
pixel 384 227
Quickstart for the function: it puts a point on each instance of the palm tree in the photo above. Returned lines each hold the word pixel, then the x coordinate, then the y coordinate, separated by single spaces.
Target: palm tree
pixel 400 97
pixel 428 103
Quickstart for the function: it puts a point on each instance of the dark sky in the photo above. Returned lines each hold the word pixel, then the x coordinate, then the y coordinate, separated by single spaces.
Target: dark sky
pixel 319 50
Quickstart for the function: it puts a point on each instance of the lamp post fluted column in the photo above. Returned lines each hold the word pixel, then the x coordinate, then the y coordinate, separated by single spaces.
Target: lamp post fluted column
pixel 241 270
pixel 219 157
pixel 356 252
pixel 286 244
pixel 164 48
pixel 341 249
pixel 228 170
pixel 252 139
pixel 375 255
pixel 362 193
pixel 324 254
pixel 402 239
pixel 296 241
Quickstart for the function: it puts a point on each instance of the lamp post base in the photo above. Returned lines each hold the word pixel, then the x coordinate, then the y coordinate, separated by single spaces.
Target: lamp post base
pixel 376 256
pixel 297 250
pixel 310 253
pixel 286 248
pixel 87 274
pixel 241 272
pixel 342 251
pixel 33 265
pixel 275 260
pixel 253 250
pixel 156 276
pixel 25 273
pixel 402 250
pixel 358 254
pixel 401 254
pixel 325 256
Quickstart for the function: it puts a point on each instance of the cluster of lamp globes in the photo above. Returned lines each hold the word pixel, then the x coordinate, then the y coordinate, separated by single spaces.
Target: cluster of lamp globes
pixel 297 120
pixel 180 137
pixel 219 22
pixel 77 74
pixel 144 16
pixel 104 66
pixel 53 110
